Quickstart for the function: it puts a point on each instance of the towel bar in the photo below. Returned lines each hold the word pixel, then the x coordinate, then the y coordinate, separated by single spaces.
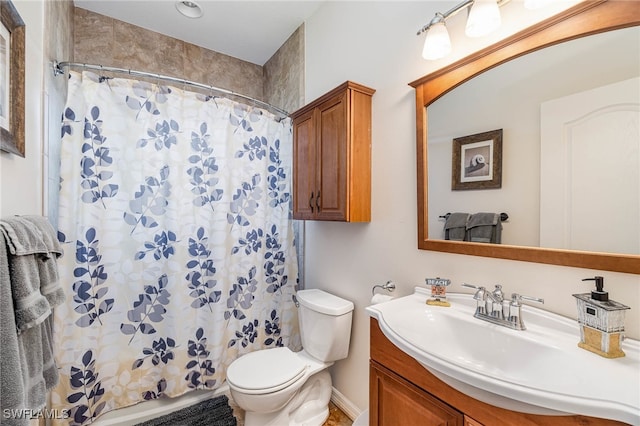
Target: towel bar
pixel 503 217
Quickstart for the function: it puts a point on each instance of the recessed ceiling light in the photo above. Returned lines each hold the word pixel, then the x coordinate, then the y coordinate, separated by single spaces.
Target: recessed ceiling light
pixel 190 9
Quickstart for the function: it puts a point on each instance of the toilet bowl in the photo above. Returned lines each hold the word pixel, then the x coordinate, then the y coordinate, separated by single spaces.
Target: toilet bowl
pixel 279 387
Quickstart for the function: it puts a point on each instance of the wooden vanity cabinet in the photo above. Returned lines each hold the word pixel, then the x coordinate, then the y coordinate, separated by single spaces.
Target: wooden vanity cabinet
pixel 332 156
pixel 403 392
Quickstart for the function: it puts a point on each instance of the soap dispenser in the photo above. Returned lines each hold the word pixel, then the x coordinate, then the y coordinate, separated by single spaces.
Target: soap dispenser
pixel 601 321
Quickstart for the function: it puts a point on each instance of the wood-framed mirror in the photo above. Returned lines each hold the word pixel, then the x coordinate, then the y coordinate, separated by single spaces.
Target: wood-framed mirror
pixel 585 18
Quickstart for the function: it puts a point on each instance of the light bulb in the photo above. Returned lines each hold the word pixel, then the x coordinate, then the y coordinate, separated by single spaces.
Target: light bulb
pixel 484 17
pixel 437 43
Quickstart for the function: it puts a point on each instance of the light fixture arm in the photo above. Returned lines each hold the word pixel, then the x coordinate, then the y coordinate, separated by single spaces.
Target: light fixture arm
pixel 442 17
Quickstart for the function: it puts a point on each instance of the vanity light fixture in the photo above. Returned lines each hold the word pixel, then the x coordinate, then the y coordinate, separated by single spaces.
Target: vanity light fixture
pixel 190 9
pixel 437 43
pixel 483 18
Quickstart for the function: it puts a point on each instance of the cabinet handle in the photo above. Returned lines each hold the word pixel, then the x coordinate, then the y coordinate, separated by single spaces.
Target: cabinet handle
pixel 311 202
pixel 318 202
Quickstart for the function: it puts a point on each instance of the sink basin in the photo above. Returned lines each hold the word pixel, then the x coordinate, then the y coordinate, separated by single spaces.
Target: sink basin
pixel 540 370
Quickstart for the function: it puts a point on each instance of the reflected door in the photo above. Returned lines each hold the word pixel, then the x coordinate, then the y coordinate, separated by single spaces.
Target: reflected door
pixel 590 170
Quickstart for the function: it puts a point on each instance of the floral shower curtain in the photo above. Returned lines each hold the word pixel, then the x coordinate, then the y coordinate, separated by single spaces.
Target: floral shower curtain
pixel 176 223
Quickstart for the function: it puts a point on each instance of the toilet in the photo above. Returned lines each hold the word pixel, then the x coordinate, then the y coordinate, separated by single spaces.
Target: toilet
pixel 280 387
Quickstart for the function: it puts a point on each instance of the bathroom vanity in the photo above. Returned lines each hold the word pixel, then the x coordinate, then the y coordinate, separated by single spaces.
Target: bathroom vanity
pixel 402 392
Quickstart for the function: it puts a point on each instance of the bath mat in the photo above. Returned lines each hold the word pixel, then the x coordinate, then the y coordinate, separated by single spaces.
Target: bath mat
pixel 212 412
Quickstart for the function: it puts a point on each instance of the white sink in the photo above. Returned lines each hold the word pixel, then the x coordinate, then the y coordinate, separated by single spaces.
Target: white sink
pixel 540 370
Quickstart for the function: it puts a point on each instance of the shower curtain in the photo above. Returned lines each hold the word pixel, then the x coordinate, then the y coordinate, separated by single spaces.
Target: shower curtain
pixel 175 218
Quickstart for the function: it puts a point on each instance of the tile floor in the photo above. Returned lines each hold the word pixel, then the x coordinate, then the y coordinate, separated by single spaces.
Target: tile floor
pixel 337 417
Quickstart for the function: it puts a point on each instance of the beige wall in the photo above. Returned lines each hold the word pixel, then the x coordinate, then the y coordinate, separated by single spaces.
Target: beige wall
pixel 21 178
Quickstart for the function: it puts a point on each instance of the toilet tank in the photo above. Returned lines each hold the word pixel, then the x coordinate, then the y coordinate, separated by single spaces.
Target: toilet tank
pixel 325 324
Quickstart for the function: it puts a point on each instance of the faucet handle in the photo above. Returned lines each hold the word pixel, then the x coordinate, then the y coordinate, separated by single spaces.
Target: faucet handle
pixel 498 294
pixel 472 286
pixel 480 295
pixel 517 298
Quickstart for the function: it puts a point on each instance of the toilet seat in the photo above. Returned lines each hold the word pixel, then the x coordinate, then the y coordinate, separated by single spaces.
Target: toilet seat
pixel 266 371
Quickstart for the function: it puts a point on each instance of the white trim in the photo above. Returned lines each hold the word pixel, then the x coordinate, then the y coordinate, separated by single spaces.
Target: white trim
pixel 347 407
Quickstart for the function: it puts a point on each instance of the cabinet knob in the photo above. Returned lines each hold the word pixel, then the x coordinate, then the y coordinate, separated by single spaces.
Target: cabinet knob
pixel 311 202
pixel 318 202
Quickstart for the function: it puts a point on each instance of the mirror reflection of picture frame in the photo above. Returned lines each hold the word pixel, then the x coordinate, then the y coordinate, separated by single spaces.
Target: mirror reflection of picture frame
pixel 12 77
pixel 477 161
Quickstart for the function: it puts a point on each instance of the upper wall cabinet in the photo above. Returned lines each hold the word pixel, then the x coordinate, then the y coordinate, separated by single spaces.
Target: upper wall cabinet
pixel 332 156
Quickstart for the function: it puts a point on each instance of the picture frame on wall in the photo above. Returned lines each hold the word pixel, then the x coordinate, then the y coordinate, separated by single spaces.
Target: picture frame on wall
pixel 477 161
pixel 12 77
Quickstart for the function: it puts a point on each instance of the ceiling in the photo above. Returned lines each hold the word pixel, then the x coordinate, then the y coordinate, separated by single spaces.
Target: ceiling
pixel 248 30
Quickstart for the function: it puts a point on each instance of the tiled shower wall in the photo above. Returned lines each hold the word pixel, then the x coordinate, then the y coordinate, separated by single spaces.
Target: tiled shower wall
pixel 58 46
pixel 106 41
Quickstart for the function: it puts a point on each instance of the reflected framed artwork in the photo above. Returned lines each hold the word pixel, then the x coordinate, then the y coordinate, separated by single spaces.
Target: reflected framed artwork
pixel 12 64
pixel 477 161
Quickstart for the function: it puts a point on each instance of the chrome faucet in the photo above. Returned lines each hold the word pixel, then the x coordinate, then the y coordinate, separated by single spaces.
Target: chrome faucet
pixel 492 306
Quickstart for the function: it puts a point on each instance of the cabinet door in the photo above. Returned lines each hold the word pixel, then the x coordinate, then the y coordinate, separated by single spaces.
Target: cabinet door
pixel 332 151
pixel 468 421
pixel 396 402
pixel 304 166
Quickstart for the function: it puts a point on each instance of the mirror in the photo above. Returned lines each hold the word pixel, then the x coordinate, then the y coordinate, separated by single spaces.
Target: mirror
pixel 572 24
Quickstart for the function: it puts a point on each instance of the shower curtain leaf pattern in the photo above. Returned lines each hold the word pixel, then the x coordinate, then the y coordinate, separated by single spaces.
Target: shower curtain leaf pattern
pixel 161 246
pixel 241 295
pixel 251 243
pixel 202 175
pixel 277 178
pixel 200 278
pixel 248 335
pixel 85 379
pixel 255 148
pixel 92 274
pixel 161 351
pixel 162 136
pixel 151 197
pixel 200 366
pixel 272 329
pixel 147 95
pixel 242 117
pixel 160 387
pixel 245 200
pixel 69 116
pixel 96 156
pixel 181 258
pixel 149 306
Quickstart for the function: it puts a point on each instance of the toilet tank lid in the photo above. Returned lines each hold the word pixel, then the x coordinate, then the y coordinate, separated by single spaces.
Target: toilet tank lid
pixel 323 302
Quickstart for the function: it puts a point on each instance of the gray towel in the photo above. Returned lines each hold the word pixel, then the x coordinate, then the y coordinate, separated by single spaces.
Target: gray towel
pixel 35 289
pixel 11 387
pixel 455 226
pixel 484 228
pixel 33 268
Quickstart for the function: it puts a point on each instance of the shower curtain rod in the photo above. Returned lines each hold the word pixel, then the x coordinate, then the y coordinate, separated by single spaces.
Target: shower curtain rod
pixel 58 70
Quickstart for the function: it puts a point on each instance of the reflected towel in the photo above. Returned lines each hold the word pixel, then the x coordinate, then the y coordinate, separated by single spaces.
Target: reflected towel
pixel 455 226
pixel 484 228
